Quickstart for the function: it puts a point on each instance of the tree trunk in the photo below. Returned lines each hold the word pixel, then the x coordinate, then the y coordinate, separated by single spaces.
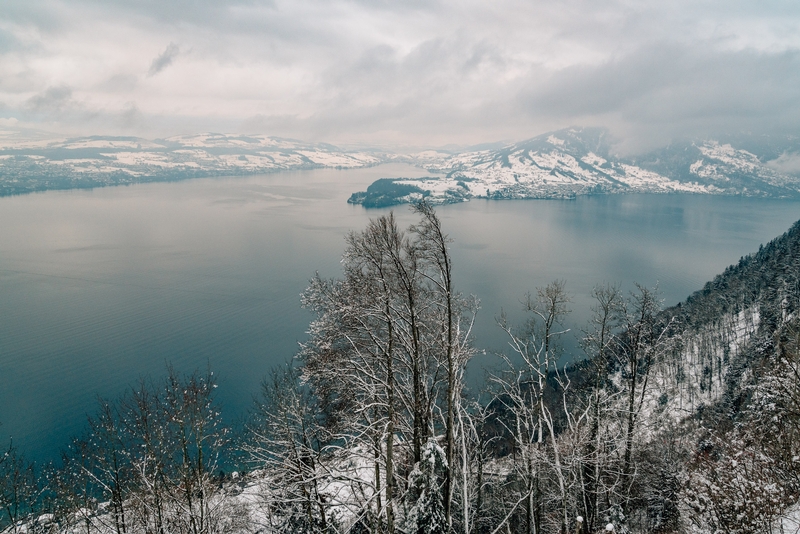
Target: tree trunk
pixel 390 430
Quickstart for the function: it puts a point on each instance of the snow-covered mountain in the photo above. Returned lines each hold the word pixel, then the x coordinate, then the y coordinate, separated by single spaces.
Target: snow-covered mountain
pixel 575 161
pixel 39 164
pixel 560 164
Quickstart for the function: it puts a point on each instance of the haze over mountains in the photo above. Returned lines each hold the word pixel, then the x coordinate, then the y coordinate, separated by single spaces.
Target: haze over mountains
pixel 560 164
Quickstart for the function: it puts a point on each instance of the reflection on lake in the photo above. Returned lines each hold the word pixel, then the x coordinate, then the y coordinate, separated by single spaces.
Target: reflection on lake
pixel 100 287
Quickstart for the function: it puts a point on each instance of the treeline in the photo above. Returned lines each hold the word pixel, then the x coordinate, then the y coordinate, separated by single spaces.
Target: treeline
pixel 372 429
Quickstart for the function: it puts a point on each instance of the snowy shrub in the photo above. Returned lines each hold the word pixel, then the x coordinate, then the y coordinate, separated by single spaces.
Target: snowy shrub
pixel 734 489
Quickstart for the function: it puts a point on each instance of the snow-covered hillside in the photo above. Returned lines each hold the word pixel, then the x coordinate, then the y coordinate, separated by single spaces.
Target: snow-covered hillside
pixel 560 164
pixel 40 164
pixel 574 162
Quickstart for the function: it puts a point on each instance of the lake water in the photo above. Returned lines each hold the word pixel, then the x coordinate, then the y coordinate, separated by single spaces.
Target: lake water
pixel 100 287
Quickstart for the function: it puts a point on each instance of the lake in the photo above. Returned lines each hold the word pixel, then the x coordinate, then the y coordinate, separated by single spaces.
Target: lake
pixel 99 287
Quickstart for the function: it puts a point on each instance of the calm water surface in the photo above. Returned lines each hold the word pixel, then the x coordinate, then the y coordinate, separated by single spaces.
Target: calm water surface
pixel 100 287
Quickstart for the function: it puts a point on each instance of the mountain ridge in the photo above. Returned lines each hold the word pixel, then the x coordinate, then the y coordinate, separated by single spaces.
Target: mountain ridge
pixel 97 161
pixel 562 164
pixel 580 161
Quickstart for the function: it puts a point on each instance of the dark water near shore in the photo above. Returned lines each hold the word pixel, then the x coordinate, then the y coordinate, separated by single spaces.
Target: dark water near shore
pixel 100 287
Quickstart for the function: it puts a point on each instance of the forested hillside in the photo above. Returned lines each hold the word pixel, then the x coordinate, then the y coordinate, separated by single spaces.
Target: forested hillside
pixel 678 420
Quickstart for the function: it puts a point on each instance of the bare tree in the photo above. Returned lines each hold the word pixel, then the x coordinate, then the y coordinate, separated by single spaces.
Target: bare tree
pixel 150 459
pixel 353 348
pixel 390 341
pixel 526 388
pixel 433 245
pixel 598 344
pixel 19 489
pixel 636 351
pixel 111 469
pixel 285 440
pixel 146 433
pixel 198 438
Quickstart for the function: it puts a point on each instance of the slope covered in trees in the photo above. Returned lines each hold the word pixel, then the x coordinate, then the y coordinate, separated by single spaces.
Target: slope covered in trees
pixel 678 420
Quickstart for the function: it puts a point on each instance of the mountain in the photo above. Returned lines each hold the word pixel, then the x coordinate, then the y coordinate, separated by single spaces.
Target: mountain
pixel 576 161
pixel 40 164
pixel 561 164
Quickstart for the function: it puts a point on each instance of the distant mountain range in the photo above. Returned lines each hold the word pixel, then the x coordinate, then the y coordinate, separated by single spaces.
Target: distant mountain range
pixel 42 164
pixel 561 164
pixel 574 161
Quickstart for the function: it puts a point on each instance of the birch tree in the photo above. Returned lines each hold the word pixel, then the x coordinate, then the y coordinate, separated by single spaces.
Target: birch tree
pixel 526 386
pixel 598 343
pixel 285 440
pixel 636 351
pixel 390 341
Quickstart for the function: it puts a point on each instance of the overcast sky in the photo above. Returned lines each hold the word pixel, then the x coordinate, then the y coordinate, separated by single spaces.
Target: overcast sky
pixel 401 73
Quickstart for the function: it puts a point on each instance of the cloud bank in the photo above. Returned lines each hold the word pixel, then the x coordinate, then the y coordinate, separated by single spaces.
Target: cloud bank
pixel 408 73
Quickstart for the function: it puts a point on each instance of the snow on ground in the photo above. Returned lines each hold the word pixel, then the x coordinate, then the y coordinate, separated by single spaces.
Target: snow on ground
pixel 527 173
pixel 593 159
pixel 561 166
pixel 544 170
pixel 116 160
pixel 694 375
pixel 329 159
pixel 639 178
pixel 720 161
pixel 109 143
pixel 140 158
pixel 556 166
pixel 789 523
pixel 726 154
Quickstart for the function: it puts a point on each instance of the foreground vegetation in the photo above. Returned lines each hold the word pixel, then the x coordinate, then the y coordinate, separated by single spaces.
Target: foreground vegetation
pixel 677 420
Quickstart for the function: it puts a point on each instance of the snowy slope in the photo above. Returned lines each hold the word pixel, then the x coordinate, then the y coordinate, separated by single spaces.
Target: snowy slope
pixel 575 161
pixel 560 164
pixel 37 164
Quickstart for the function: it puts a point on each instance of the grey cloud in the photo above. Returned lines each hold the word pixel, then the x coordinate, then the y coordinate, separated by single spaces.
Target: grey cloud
pixel 436 72
pixel 210 12
pixel 786 163
pixel 52 100
pixel 120 83
pixel 164 60
pixel 130 117
pixel 54 16
pixel 7 41
pixel 56 110
pixel 668 91
pixel 415 71
pixel 412 122
pixel 443 91
pixel 269 123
